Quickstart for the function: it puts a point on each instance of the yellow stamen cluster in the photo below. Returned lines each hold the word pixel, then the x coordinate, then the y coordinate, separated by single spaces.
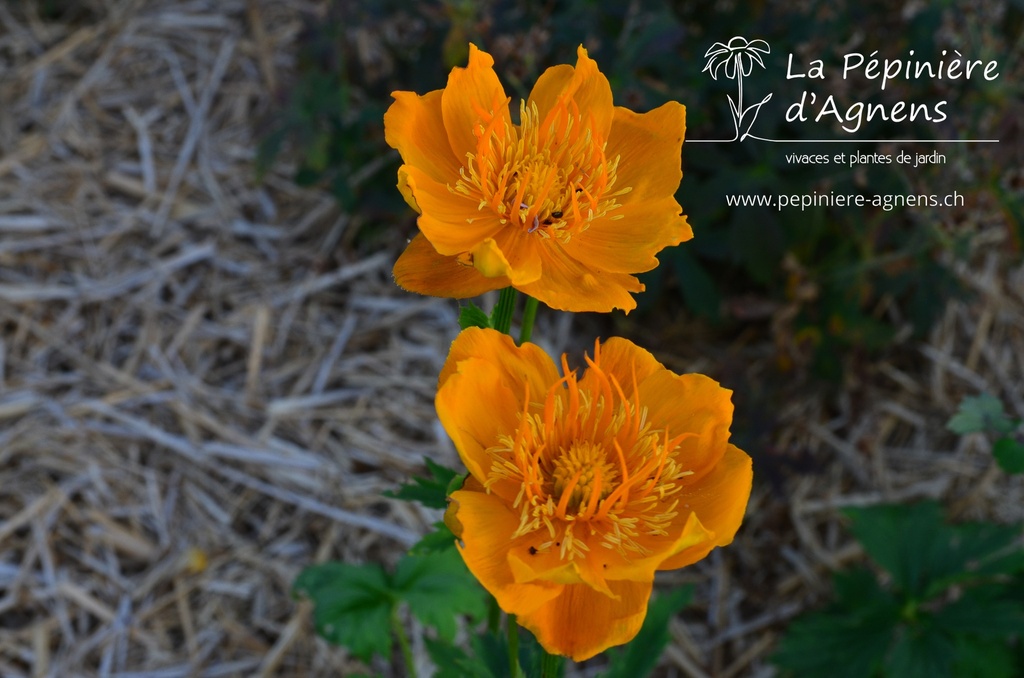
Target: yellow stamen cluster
pixel 548 177
pixel 588 459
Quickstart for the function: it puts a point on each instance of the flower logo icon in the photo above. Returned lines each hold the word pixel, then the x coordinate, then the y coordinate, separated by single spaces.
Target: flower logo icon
pixel 736 59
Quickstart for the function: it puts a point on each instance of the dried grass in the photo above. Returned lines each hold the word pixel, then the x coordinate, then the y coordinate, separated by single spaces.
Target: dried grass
pixel 199 395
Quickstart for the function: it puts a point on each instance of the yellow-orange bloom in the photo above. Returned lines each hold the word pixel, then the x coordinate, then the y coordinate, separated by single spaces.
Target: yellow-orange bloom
pixel 565 206
pixel 580 488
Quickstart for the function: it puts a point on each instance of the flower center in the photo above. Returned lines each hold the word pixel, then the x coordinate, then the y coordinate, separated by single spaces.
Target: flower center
pixel 548 177
pixel 581 477
pixel 587 459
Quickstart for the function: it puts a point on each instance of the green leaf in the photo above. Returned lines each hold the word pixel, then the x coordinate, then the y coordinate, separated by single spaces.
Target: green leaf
pixel 983 658
pixel 982 611
pixel 901 539
pixel 438 587
pixel 472 315
pixel 921 653
pixel 453 662
pixel 1009 453
pixel 352 606
pixel 441 539
pixel 981 413
pixel 849 639
pixel 640 655
pixel 431 492
pixel 924 555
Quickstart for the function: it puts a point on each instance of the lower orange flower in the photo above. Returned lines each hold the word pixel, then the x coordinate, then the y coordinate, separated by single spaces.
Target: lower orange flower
pixel 580 488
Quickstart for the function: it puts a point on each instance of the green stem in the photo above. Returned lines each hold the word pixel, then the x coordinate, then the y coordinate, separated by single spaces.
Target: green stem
pixel 502 314
pixel 513 645
pixel 403 642
pixel 529 314
pixel 493 615
pixel 550 665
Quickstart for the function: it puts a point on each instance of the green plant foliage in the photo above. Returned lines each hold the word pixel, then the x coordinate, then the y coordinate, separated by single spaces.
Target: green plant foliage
pixel 950 605
pixel 640 655
pixel 978 414
pixel 985 414
pixel 431 492
pixel 472 315
pixel 441 539
pixel 355 604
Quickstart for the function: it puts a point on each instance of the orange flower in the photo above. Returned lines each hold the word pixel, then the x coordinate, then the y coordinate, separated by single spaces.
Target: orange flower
pixel 580 488
pixel 564 206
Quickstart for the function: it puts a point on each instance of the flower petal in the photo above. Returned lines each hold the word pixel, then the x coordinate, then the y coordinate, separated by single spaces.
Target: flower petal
pixel 510 256
pixel 690 403
pixel 473 98
pixel 582 622
pixel 622 359
pixel 588 88
pixel 719 499
pixel 422 270
pixel 414 127
pixel 549 86
pixel 487 528
pixel 475 407
pixel 568 285
pixel 451 221
pixel 649 147
pixel 692 537
pixel 628 244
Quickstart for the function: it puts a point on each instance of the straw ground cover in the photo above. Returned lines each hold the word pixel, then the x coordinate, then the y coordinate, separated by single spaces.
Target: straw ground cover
pixel 205 385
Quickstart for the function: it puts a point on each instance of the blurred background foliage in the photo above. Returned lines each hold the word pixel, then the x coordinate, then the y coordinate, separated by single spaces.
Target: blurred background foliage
pixel 830 286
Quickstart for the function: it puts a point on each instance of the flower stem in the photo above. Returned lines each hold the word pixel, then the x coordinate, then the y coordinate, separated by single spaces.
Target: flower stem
pixel 501 317
pixel 529 314
pixel 513 646
pixel 550 665
pixel 403 642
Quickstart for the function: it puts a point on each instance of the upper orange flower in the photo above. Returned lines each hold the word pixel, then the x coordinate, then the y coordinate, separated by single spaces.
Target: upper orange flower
pixel 564 206
pixel 580 488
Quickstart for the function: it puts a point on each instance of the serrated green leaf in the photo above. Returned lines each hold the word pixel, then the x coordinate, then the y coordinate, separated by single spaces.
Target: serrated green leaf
pixel 983 658
pixel 431 492
pixel 472 315
pixel 352 606
pixel 902 539
pixel 441 539
pixel 981 413
pixel 921 653
pixel 438 587
pixel 924 555
pixel 453 662
pixel 640 655
pixel 983 611
pixel 1009 453
pixel 838 643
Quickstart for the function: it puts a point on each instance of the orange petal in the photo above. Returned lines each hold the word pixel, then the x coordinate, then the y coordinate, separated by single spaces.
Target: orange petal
pixel 522 255
pixel 586 86
pixel 422 270
pixel 623 359
pixel 719 499
pixel 414 127
pixel 649 147
pixel 450 220
pixel 487 528
pixel 519 365
pixel 582 622
pixel 549 86
pixel 475 407
pixel 686 536
pixel 568 285
pixel 406 190
pixel 690 403
pixel 473 95
pixel 629 244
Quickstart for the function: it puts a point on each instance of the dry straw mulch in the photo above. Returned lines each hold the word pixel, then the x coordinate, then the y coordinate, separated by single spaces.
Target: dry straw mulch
pixel 202 390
